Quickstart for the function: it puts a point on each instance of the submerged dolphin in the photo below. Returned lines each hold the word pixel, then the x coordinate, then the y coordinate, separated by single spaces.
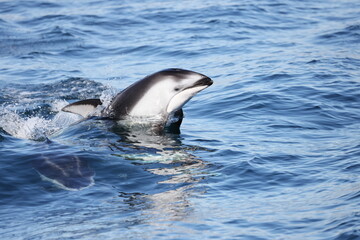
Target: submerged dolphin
pixel 66 169
pixel 159 97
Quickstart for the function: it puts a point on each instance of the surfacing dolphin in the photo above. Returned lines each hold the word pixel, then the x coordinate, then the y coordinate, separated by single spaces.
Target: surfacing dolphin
pixel 158 97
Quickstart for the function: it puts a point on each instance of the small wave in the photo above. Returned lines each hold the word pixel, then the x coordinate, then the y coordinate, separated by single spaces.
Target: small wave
pixel 48 41
pixel 348 35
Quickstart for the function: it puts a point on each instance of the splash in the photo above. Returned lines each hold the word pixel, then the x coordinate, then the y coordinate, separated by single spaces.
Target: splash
pixel 35 127
pixel 26 128
pixel 41 126
pixel 107 95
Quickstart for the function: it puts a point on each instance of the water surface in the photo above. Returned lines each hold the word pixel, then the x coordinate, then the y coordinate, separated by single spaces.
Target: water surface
pixel 270 151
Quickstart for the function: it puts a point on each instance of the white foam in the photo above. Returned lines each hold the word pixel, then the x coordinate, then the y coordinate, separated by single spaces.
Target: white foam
pixel 35 127
pixel 162 156
pixel 26 128
pixel 57 105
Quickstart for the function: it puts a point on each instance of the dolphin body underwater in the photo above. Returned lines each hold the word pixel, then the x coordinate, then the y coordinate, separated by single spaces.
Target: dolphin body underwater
pixel 156 100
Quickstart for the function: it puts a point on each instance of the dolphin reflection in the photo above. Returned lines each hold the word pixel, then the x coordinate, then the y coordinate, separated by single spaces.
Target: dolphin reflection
pixel 145 147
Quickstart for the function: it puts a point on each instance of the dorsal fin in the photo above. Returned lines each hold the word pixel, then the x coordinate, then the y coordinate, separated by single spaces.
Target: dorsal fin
pixel 83 107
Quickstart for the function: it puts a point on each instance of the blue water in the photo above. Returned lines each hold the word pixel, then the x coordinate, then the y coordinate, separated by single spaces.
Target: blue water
pixel 270 151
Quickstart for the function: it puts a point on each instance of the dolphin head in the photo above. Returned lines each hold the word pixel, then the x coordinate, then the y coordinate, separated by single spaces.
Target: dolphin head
pixel 166 92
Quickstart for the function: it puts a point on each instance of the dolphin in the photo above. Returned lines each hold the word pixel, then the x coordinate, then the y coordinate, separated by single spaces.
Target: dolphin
pixel 67 169
pixel 159 97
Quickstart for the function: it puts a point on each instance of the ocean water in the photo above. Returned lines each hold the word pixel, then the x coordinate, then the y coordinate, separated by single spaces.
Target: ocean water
pixel 270 151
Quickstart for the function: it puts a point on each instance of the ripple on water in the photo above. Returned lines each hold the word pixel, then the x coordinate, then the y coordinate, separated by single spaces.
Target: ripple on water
pixel 348 35
pixel 268 152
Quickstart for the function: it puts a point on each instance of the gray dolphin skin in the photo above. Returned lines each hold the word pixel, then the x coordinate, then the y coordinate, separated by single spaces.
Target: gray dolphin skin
pixel 158 96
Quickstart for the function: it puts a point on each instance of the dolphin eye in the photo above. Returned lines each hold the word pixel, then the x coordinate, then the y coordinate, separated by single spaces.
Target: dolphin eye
pixel 176 89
